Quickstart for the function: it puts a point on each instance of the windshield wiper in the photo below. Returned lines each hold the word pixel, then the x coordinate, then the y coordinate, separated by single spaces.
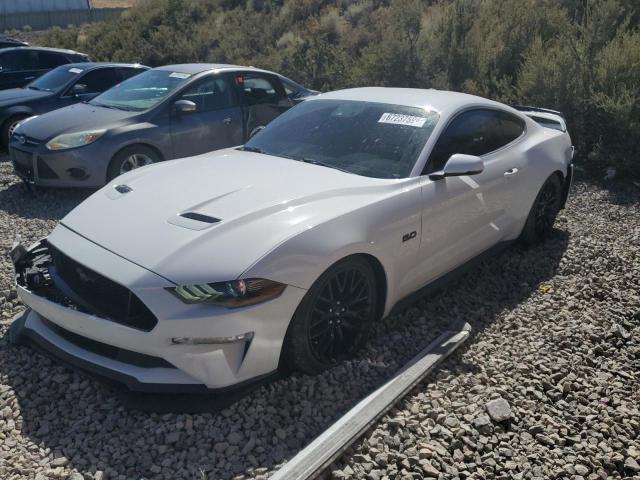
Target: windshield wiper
pixel 114 107
pixel 322 164
pixel 252 149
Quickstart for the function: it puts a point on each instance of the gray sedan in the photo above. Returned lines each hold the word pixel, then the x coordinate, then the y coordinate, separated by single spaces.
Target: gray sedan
pixel 165 113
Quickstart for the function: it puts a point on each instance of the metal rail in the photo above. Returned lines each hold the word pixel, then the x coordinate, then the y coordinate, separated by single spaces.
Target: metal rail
pixel 319 454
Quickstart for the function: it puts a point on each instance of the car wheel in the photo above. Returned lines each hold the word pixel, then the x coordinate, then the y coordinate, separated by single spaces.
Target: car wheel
pixel 8 127
pixel 129 159
pixel 334 318
pixel 543 212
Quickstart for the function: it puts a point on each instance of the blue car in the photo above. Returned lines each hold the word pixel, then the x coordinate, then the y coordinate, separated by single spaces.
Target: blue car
pixel 168 112
pixel 61 87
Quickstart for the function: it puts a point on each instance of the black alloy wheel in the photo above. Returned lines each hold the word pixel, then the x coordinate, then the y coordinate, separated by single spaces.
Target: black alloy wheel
pixel 334 318
pixel 543 213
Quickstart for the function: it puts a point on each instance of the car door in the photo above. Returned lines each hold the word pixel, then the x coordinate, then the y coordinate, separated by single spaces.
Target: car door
pixel 19 67
pixel 263 99
pixel 463 216
pixel 216 122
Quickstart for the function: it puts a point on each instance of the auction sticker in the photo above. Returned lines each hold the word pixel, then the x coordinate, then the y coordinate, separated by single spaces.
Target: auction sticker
pixel 180 75
pixel 400 119
pixel 75 70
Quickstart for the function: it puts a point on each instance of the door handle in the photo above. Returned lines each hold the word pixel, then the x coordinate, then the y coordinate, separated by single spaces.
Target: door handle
pixel 29 78
pixel 227 121
pixel 512 171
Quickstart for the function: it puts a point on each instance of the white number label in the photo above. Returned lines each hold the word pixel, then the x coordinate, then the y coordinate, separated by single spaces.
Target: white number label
pixel 399 119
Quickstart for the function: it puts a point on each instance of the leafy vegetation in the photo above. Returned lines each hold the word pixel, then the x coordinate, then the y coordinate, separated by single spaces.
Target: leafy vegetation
pixel 579 56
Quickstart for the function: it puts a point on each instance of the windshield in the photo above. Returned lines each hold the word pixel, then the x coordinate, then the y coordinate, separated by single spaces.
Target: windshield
pixel 55 79
pixel 377 140
pixel 142 91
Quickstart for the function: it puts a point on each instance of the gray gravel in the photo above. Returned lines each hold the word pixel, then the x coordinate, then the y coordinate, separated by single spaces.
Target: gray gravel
pixel 557 342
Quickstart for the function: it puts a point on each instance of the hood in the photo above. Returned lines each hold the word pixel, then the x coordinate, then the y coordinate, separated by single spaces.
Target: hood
pixel 20 95
pixel 75 118
pixel 208 218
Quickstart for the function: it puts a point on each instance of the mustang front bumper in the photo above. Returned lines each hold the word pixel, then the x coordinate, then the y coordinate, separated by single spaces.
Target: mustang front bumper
pixel 231 346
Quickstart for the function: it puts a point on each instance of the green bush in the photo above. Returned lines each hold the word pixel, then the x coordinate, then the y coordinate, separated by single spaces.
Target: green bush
pixel 581 57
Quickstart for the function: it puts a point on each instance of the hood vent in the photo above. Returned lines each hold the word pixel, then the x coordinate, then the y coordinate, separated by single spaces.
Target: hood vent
pixel 199 217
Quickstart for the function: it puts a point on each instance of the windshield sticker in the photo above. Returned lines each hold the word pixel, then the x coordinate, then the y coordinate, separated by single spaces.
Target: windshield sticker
pixel 75 70
pixel 179 75
pixel 400 119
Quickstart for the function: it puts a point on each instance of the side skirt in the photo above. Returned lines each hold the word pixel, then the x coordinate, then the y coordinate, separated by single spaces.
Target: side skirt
pixel 448 278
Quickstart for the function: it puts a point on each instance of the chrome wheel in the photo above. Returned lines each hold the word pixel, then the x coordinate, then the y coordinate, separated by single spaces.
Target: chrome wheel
pixel 11 129
pixel 341 315
pixel 133 161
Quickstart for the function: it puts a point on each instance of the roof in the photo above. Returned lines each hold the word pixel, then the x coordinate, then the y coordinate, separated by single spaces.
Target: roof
pixel 194 68
pixel 439 100
pixel 48 49
pixel 92 65
pixel 24 6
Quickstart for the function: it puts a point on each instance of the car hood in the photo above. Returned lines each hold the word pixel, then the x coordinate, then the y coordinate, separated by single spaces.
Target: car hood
pixel 257 201
pixel 21 95
pixel 74 118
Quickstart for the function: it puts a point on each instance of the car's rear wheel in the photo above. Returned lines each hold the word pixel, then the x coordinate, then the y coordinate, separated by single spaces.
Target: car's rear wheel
pixel 334 318
pixel 131 158
pixel 543 213
pixel 8 128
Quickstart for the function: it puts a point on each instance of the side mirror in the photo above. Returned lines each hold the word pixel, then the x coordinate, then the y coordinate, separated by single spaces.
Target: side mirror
pixel 184 106
pixel 79 89
pixel 255 131
pixel 458 165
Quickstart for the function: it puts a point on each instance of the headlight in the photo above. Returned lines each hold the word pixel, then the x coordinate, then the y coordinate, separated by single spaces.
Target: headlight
pixel 233 294
pixel 73 140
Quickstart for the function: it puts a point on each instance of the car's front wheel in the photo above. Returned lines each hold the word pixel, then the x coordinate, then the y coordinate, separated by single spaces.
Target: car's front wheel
pixel 334 318
pixel 543 213
pixel 131 158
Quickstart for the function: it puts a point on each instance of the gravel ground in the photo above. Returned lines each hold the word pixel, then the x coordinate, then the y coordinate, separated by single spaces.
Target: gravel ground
pixel 556 339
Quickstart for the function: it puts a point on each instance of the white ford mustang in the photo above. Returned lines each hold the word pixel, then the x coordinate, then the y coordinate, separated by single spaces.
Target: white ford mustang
pixel 208 272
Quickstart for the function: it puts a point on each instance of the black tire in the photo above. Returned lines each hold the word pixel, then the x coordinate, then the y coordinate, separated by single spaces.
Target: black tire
pixel 334 318
pixel 7 129
pixel 543 213
pixel 118 162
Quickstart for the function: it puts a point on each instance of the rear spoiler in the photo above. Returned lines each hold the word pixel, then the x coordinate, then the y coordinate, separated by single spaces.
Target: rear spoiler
pixel 544 116
pixel 526 108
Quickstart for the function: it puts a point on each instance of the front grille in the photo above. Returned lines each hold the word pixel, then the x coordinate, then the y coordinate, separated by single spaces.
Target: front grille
pixel 22 163
pixel 98 294
pixel 109 351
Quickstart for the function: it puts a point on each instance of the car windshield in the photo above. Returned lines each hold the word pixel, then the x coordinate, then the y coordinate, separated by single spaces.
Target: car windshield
pixel 141 92
pixel 55 79
pixel 377 140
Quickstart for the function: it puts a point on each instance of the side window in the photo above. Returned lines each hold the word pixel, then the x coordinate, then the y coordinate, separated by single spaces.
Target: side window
pixel 19 60
pixel 210 93
pixel 512 127
pixel 474 132
pixel 126 73
pixel 97 81
pixel 259 89
pixel 49 60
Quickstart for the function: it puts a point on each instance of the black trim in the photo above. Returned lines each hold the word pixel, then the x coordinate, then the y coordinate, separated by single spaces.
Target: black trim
pixel 199 217
pixel 447 278
pixel 19 334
